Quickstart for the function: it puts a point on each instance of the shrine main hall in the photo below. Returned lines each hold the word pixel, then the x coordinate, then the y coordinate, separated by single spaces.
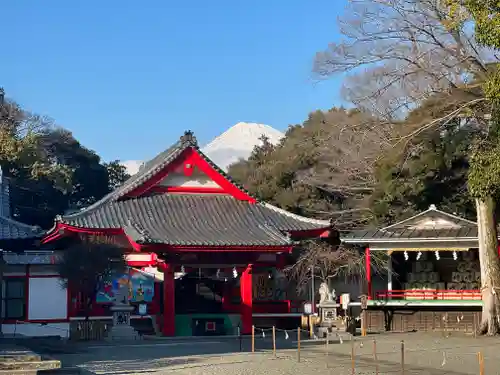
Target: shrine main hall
pixel 208 237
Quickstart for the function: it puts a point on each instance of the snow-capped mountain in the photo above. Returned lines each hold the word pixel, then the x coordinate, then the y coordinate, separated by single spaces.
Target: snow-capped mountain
pixel 235 143
pixel 238 142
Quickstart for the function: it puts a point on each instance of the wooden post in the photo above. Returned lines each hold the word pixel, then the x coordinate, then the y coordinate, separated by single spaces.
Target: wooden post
pixel 364 306
pixel 353 363
pixel 480 359
pixel 402 357
pixel 474 324
pixel 363 323
pixel 375 356
pixel 311 327
pixel 253 339
pixel 327 347
pixel 446 325
pixel 274 341
pixel 298 344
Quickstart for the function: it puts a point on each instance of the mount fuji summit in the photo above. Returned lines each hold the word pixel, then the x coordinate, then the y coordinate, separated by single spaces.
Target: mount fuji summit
pixel 238 143
pixel 234 144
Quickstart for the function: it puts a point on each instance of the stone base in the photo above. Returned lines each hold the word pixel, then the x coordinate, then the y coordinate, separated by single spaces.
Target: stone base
pixel 124 332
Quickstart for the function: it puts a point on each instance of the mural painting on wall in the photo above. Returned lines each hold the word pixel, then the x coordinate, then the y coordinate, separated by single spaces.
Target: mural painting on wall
pixel 140 287
pixel 267 288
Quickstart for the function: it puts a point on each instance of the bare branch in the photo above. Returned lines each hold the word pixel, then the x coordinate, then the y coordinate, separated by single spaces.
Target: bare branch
pixel 398 53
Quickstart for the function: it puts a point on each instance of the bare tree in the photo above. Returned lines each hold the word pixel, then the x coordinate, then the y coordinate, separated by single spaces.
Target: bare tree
pixel 400 52
pixel 347 145
pixel 327 261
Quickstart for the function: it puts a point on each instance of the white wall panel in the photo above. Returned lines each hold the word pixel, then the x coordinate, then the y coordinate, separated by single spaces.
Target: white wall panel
pixel 47 299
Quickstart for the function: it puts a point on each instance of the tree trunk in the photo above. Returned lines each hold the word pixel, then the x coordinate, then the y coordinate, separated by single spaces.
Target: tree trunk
pixel 490 266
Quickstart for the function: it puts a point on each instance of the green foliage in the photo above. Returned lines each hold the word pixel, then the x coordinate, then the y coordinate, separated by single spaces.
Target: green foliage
pixel 484 177
pixel 88 263
pixel 486 15
pixel 117 174
pixel 49 170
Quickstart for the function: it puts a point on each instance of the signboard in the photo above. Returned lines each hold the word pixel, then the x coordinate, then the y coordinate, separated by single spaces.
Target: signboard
pixel 140 287
pixel 364 302
pixel 143 309
pixel 307 308
pixel 345 299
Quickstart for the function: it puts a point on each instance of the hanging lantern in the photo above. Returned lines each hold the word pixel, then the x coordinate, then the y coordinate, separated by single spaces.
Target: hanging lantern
pixel 455 255
pixel 419 255
pixel 437 255
pixel 406 255
pixel 235 273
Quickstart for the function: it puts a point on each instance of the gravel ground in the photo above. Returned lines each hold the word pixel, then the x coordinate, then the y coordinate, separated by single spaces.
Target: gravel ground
pixel 423 354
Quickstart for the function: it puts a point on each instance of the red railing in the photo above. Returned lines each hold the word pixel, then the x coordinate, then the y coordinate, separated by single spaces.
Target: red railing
pixel 426 294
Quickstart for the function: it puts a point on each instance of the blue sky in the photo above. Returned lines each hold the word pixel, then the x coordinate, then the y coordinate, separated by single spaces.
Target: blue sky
pixel 128 77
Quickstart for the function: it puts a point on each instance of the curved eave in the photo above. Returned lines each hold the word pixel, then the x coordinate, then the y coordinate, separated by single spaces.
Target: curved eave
pixel 156 244
pixel 318 224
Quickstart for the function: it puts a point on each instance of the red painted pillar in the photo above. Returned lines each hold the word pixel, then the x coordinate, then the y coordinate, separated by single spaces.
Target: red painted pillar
pixel 368 262
pixel 168 328
pixel 246 290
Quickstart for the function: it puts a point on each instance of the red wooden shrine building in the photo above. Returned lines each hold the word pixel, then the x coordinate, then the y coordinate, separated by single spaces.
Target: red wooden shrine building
pixel 185 216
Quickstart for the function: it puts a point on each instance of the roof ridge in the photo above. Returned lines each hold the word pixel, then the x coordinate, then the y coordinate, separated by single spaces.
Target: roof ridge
pixel 163 158
pixel 295 216
pixel 432 208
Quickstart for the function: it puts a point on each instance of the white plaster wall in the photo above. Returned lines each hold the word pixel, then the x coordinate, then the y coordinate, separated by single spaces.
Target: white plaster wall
pixel 36 329
pixel 47 299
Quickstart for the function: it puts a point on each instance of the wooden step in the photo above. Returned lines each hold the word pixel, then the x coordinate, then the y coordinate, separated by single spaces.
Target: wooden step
pixel 31 365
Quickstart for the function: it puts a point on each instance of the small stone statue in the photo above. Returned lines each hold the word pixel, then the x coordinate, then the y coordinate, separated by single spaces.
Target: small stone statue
pixel 325 294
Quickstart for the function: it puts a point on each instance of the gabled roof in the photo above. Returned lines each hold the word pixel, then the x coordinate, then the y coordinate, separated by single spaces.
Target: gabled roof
pixel 190 219
pixel 432 224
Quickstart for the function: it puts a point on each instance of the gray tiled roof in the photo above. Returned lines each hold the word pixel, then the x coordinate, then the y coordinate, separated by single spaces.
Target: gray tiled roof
pixel 195 220
pixel 13 230
pixel 190 220
pixel 431 224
